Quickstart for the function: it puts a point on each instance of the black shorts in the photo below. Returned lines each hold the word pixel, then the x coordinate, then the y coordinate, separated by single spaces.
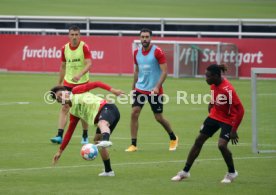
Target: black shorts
pixel 111 114
pixel 211 126
pixel 155 101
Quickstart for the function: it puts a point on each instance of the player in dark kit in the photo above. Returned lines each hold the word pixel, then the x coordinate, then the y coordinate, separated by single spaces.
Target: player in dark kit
pixel 226 112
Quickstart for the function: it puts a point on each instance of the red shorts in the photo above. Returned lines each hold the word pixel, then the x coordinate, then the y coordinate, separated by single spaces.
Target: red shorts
pixel 70 86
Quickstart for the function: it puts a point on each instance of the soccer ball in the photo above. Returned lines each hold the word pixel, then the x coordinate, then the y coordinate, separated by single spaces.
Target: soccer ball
pixel 89 152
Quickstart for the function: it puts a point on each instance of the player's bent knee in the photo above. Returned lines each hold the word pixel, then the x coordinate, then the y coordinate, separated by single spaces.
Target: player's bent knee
pixel 103 123
pixel 222 146
pixel 104 126
pixel 135 113
pixel 159 119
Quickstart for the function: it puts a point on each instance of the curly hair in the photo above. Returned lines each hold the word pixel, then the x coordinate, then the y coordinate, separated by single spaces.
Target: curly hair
pixel 216 69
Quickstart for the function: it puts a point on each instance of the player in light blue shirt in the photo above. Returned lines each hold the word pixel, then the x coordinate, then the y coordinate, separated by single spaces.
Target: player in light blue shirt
pixel 149 75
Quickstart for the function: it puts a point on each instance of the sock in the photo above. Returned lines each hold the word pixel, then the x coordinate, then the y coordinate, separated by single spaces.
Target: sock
pixel 172 136
pixel 231 169
pixel 106 136
pixel 107 165
pixel 134 141
pixel 187 168
pixel 60 132
pixel 84 134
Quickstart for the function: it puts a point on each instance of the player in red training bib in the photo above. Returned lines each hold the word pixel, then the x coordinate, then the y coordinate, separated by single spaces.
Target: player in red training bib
pixel 225 112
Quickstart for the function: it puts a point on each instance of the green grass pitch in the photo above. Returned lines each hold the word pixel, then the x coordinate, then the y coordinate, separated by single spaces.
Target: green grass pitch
pixel 143 8
pixel 26 152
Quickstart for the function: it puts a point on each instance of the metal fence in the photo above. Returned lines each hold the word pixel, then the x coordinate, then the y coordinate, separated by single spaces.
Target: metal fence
pixel 123 26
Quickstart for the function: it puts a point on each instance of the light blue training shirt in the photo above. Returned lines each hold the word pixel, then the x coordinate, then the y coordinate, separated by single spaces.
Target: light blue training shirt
pixel 149 70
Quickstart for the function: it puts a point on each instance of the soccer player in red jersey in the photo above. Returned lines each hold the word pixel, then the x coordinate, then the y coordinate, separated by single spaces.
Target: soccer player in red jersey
pixel 74 71
pixel 93 110
pixel 225 112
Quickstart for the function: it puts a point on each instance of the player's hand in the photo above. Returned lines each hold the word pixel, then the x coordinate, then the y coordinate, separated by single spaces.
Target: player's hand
pixel 155 90
pixel 234 137
pixel 117 92
pixel 76 78
pixel 56 157
pixel 132 94
pixel 210 106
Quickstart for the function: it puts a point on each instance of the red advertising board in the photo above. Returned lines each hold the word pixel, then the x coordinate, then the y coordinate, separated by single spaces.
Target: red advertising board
pixel 113 54
pixel 42 53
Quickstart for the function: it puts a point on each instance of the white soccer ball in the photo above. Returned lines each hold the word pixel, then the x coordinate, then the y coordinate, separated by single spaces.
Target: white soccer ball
pixel 89 151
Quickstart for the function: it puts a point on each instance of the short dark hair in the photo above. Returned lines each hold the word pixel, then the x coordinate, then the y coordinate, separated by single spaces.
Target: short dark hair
pixel 216 69
pixel 146 30
pixel 74 28
pixel 55 89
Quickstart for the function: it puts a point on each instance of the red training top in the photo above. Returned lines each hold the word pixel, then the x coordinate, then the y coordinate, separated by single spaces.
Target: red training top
pixel 73 119
pixel 226 105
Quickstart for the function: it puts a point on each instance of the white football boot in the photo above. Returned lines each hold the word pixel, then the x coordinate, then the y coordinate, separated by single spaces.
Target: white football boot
pixel 104 144
pixel 181 175
pixel 107 174
pixel 229 177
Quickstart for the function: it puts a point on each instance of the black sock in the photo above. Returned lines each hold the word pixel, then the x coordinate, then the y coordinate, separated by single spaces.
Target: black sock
pixel 172 136
pixel 107 165
pixel 60 132
pixel 84 134
pixel 106 136
pixel 134 141
pixel 187 167
pixel 231 169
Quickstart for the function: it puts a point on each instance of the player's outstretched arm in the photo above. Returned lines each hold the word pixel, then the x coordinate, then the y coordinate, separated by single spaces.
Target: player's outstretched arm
pixel 117 92
pixel 89 86
pixel 97 84
pixel 57 156
pixel 72 126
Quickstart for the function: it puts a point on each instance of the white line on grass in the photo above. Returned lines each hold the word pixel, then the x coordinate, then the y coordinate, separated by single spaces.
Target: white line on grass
pixel 266 94
pixel 12 103
pixel 186 144
pixel 130 163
